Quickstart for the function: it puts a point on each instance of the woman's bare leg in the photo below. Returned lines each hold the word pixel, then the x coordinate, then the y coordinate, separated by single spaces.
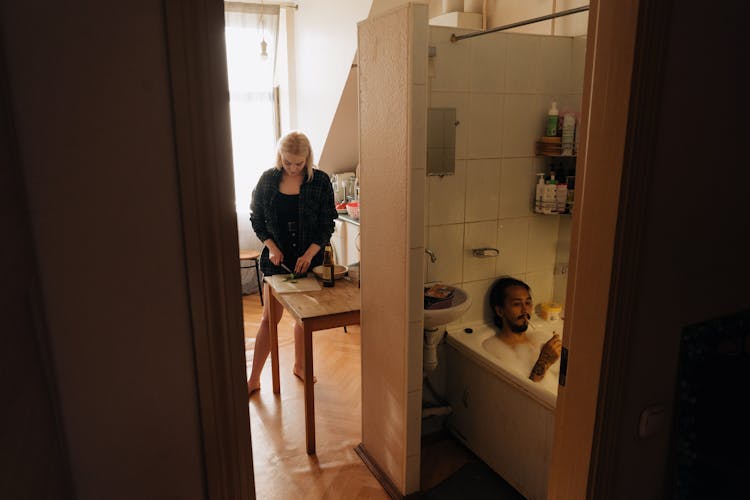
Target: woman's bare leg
pixel 262 344
pixel 299 353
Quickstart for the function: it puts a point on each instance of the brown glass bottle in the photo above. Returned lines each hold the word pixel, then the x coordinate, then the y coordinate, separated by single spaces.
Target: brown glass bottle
pixel 328 266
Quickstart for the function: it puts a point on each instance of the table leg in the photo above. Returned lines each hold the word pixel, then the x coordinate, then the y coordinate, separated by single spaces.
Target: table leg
pixel 309 391
pixel 273 335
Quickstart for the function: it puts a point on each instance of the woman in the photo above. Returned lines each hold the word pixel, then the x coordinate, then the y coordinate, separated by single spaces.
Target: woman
pixel 292 212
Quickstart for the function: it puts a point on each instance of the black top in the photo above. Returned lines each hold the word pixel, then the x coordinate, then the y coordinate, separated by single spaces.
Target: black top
pixel 316 208
pixel 287 218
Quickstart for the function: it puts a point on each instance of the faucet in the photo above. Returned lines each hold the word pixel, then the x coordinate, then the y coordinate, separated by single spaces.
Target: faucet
pixel 433 257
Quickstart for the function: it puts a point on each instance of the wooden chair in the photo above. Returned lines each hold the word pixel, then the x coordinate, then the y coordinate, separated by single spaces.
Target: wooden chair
pixel 252 256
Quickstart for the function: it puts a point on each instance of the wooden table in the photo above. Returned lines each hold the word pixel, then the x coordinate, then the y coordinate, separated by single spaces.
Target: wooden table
pixel 318 310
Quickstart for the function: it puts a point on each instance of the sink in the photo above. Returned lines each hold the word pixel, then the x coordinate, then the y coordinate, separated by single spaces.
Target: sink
pixel 434 318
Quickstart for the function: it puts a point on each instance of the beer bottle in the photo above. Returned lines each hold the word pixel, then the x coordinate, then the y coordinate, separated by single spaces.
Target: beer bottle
pixel 328 266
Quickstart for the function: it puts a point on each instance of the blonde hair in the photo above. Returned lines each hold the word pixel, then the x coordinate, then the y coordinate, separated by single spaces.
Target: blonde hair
pixel 296 143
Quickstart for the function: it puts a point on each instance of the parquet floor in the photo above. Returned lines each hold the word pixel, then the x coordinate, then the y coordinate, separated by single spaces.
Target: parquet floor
pixel 283 470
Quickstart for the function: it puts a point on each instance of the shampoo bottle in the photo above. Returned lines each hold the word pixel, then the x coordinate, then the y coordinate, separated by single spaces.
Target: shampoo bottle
pixel 539 194
pixel 552 117
pixel 568 134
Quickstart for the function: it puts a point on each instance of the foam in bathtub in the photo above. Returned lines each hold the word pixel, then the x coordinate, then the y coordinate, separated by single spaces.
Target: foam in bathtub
pixel 516 361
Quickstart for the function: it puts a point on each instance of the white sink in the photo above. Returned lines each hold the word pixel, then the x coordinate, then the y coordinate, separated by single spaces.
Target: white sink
pixel 434 318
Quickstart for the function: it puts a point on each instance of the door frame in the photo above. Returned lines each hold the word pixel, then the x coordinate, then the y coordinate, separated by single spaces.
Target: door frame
pixel 620 36
pixel 623 76
pixel 196 51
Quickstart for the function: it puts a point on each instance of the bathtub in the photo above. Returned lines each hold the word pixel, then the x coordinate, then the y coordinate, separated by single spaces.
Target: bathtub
pixel 498 413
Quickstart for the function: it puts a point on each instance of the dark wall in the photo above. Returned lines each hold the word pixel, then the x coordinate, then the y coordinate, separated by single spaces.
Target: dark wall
pixel 694 257
pixel 91 104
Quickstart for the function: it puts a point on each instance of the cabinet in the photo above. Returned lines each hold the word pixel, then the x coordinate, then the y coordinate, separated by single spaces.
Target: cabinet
pixel 345 241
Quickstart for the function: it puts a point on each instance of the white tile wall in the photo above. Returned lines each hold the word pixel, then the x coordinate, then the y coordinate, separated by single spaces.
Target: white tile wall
pixel 501 86
pixel 482 189
pixel 479 235
pixel 448 244
pixel 446 197
pixel 485 125
pixel 487 61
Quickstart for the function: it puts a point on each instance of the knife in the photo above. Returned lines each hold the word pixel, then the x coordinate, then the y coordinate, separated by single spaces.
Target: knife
pixel 292 274
pixel 289 270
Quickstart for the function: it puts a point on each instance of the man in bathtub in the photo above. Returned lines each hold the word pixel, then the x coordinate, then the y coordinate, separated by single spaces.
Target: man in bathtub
pixel 510 299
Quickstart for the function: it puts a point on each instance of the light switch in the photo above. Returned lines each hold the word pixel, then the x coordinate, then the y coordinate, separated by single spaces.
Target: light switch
pixel 652 421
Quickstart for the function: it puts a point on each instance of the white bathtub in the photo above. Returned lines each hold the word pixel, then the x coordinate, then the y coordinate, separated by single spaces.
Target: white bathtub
pixel 501 415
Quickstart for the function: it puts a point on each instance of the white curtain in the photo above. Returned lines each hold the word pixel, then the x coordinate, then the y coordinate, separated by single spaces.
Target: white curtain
pixel 252 109
pixel 251 81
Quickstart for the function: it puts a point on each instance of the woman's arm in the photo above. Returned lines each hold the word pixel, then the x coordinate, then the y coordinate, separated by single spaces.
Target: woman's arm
pixel 328 212
pixel 258 217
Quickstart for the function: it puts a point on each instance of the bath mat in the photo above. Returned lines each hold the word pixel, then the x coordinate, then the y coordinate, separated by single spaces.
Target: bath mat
pixel 476 481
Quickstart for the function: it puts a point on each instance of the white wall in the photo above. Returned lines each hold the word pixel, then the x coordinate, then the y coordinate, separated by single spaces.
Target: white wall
pixel 501 12
pixel 325 41
pixel 393 108
pixel 501 86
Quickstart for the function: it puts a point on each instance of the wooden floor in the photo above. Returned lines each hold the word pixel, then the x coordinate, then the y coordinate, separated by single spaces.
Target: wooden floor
pixel 283 470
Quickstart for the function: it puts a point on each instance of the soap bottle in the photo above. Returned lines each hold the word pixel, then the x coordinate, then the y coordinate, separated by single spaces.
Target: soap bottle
pixel 552 117
pixel 327 273
pixel 539 194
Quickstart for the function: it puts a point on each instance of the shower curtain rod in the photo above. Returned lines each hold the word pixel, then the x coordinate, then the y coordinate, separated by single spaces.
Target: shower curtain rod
pixel 455 38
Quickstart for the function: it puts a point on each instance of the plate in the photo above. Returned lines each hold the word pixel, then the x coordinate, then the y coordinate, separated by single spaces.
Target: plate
pixel 338 271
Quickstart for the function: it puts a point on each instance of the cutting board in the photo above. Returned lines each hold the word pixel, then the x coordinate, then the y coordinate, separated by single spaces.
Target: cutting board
pixel 301 285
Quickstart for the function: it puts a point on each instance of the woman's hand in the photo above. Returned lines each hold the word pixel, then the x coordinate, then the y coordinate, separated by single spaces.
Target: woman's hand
pixel 275 255
pixel 303 263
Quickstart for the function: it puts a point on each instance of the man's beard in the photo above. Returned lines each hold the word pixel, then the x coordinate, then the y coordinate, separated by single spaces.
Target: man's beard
pixel 519 327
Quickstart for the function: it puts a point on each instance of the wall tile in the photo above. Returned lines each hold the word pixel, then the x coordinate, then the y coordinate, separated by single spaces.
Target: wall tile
pixel 416 280
pixel 416 208
pixel 555 64
pixel 451 66
pixel 487 56
pixel 418 126
pixel 447 242
pixel 413 472
pixel 542 243
pixel 482 189
pixel 522 64
pixel 578 64
pixel 479 235
pixel 512 241
pixel 459 101
pixel 413 421
pixel 523 124
pixel 541 285
pixel 479 309
pixel 485 125
pixel 415 344
pixel 516 187
pixel 447 197
pixel 420 34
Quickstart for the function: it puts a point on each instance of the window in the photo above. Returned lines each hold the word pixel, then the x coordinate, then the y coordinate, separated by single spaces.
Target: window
pixel 254 120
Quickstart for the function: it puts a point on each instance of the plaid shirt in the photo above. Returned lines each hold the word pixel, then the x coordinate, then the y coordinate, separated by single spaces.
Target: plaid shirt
pixel 317 209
